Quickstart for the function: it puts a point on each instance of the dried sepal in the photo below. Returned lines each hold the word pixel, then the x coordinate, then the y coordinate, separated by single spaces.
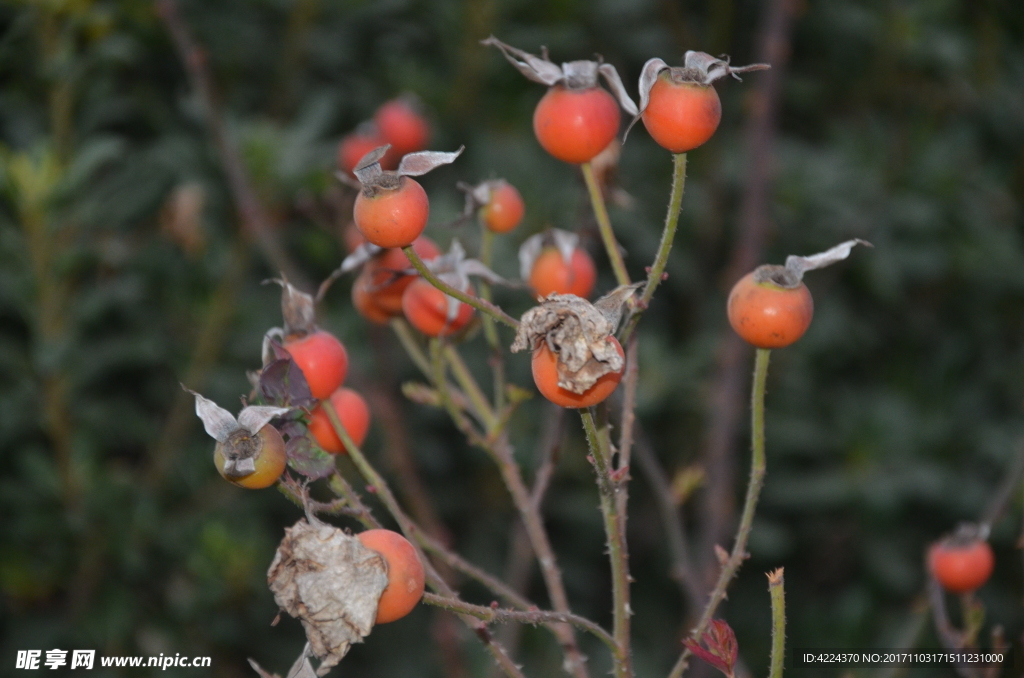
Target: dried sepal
pixel 580 74
pixel 705 68
pixel 331 583
pixel 721 650
pixel 373 179
pixel 534 68
pixel 360 256
pixel 578 333
pixel 218 422
pixel 417 164
pixel 565 241
pixel 791 275
pixel 297 308
pixel 611 77
pixel 455 269
pixel 237 439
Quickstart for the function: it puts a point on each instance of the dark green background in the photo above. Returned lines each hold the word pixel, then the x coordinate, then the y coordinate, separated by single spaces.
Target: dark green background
pixel 894 418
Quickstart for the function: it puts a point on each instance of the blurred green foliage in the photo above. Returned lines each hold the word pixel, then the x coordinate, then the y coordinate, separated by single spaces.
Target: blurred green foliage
pixel 123 271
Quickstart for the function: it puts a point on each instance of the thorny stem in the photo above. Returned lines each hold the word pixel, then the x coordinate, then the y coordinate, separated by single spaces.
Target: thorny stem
pixel 500 452
pixel 668 236
pixel 428 543
pixel 492 615
pixel 757 469
pixel 604 225
pixel 776 588
pixel 472 390
pixel 614 525
pixel 476 302
pixel 410 529
pixel 490 331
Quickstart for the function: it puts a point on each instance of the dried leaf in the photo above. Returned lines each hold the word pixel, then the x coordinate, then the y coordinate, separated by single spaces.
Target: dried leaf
pixel 308 459
pixel 331 583
pixel 283 383
pixel 577 333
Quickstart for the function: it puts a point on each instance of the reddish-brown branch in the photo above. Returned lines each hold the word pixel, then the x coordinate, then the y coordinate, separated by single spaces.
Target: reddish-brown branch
pixel 727 400
pixel 256 222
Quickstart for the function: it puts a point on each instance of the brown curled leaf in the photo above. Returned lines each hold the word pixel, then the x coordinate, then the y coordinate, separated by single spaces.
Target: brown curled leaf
pixel 331 583
pixel 577 332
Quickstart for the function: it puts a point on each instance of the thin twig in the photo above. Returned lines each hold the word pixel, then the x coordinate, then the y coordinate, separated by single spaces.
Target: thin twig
pixel 1010 484
pixel 604 225
pixel 727 390
pixel 436 582
pixel 757 470
pixel 668 235
pixel 519 564
pixel 491 615
pixel 776 588
pixel 476 302
pixel 255 219
pixel 614 525
pixel 672 522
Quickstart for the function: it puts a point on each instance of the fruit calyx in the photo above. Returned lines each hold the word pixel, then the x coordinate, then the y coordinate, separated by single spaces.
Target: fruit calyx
pixel 575 75
pixel 564 241
pixel 374 180
pixel 699 68
pixel 965 535
pixel 240 441
pixel 791 275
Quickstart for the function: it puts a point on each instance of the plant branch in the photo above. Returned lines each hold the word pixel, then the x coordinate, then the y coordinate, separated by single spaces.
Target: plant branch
pixel 661 488
pixel 719 451
pixel 757 470
pixel 476 302
pixel 668 236
pixel 470 387
pixel 411 530
pixel 604 225
pixel 490 330
pixel 491 615
pixel 614 525
pixel 256 221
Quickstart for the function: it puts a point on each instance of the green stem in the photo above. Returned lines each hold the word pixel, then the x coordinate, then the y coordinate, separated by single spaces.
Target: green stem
pixel 668 235
pixel 618 554
pixel 490 330
pixel 411 346
pixel 604 224
pixel 476 302
pixel 776 588
pixel 470 387
pixel 757 470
